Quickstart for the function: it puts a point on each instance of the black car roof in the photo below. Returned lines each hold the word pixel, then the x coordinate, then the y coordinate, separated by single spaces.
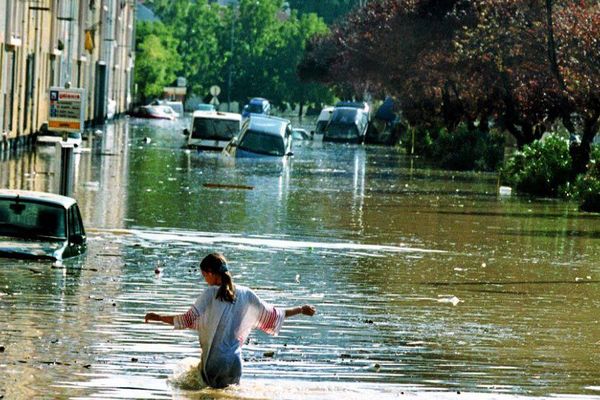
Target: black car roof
pixel 40 197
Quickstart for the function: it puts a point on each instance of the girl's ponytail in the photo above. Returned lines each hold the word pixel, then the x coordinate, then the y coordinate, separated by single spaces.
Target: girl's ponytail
pixel 217 264
pixel 227 291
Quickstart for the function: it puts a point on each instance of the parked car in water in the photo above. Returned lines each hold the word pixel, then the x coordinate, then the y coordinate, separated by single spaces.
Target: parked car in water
pixel 323 120
pixel 257 105
pixel 212 130
pixel 154 112
pixel 347 124
pixel 300 134
pixel 205 107
pixel 176 106
pixel 39 225
pixel 262 136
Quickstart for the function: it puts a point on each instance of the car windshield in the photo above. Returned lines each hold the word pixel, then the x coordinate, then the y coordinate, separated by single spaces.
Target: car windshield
pixel 262 143
pixel 341 131
pixel 215 129
pixel 255 108
pixel 31 219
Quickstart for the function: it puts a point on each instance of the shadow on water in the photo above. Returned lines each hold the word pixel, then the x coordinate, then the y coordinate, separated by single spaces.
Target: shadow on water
pixel 422 290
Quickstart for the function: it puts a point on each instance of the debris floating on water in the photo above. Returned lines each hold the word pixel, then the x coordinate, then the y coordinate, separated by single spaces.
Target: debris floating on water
pixel 449 299
pixel 505 191
pixel 226 186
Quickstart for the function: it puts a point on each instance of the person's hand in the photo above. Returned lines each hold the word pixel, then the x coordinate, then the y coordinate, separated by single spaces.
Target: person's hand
pixel 151 317
pixel 309 310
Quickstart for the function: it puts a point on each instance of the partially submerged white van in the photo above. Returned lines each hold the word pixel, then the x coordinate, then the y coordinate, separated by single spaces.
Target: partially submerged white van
pixel 323 120
pixel 212 130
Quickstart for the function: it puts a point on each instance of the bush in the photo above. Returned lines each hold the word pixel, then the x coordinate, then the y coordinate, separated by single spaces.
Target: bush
pixel 467 150
pixel 587 186
pixel 542 168
pixel 462 149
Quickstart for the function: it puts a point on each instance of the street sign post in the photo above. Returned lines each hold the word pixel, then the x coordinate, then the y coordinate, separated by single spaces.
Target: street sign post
pixel 215 90
pixel 66 111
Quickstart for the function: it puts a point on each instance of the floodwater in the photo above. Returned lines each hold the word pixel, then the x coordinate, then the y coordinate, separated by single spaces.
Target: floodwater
pixel 427 283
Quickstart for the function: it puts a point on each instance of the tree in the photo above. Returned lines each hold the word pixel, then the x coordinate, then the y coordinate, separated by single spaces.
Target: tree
pixel 257 44
pixel 267 48
pixel 203 46
pixel 578 53
pixel 331 10
pixel 523 64
pixel 157 60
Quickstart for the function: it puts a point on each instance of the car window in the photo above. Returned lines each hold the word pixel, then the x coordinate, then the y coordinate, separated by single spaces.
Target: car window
pixel 259 142
pixel 75 224
pixel 215 129
pixel 31 219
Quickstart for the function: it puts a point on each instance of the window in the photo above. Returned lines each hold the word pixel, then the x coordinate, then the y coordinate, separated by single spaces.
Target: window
pixel 31 219
pixel 14 21
pixel 259 142
pixel 215 129
pixel 75 224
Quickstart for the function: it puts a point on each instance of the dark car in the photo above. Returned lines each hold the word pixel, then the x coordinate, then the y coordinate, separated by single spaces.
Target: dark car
pixel 262 136
pixel 39 225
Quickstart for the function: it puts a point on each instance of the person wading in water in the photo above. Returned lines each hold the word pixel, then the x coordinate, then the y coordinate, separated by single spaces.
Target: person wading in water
pixel 224 315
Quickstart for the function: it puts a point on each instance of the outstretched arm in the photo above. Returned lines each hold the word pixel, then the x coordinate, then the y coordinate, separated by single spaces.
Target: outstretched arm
pixel 304 310
pixel 167 319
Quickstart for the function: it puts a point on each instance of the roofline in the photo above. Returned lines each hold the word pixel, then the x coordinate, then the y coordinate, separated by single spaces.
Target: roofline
pixel 217 114
pixel 30 195
pixel 255 119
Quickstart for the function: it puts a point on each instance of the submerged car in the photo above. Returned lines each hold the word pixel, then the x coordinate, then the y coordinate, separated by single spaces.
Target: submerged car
pixel 262 136
pixel 323 120
pixel 257 105
pixel 347 124
pixel 154 112
pixel 300 134
pixel 212 130
pixel 39 225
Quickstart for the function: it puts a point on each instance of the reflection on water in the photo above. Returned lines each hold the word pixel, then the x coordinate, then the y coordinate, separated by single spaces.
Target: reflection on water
pixel 426 282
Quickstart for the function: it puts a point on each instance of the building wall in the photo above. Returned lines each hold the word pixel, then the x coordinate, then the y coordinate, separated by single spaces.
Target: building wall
pixel 43 44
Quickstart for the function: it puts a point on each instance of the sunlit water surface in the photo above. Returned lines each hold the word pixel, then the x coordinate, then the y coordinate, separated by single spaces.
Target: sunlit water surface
pixel 427 283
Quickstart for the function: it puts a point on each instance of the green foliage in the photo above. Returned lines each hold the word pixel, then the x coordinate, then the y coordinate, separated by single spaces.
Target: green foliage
pixel 256 47
pixel 267 50
pixel 330 11
pixel 157 60
pixel 462 149
pixel 542 168
pixel 204 46
pixel 466 149
pixel 587 186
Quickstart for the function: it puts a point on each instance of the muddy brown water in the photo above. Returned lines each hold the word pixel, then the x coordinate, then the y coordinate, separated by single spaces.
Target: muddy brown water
pixel 428 283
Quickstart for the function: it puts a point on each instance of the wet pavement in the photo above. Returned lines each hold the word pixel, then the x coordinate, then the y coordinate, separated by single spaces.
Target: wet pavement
pixel 427 283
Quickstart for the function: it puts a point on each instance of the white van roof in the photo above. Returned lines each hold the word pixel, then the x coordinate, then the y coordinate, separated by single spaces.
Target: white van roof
pixel 325 113
pixel 216 115
pixel 267 124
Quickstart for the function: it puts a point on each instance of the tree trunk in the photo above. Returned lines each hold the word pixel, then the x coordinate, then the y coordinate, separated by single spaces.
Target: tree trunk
pixel 552 47
pixel 580 152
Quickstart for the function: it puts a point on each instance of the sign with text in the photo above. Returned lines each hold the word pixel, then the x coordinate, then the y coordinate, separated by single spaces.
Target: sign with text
pixel 66 110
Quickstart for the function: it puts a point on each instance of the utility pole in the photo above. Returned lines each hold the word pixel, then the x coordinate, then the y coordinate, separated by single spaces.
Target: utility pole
pixel 230 58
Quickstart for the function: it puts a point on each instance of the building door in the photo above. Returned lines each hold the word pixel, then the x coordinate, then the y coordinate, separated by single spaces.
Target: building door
pixel 100 91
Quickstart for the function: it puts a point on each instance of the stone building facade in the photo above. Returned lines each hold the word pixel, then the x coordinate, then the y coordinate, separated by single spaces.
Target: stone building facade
pixel 88 44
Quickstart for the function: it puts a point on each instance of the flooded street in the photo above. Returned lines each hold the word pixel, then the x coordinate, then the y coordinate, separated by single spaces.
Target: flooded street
pixel 427 283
